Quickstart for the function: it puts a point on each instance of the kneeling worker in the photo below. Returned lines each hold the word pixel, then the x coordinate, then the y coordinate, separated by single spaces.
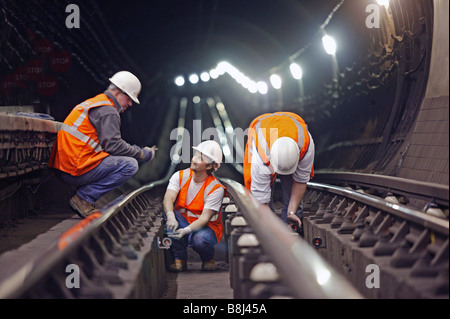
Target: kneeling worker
pixel 192 205
pixel 89 151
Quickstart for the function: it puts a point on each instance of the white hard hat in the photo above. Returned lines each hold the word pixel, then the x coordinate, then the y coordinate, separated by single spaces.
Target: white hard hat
pixel 128 83
pixel 284 155
pixel 211 149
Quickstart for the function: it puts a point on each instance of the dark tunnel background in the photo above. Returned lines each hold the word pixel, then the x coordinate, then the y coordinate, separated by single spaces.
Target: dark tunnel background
pixel 363 119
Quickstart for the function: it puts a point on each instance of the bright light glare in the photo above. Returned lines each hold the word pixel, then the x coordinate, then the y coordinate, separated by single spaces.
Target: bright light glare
pixel 179 80
pixel 323 276
pixel 296 71
pixel 223 67
pixel 246 82
pixel 252 87
pixel 193 78
pixel 196 99
pixel 275 80
pixel 383 3
pixel 329 44
pixel 214 73
pixel 205 76
pixel 262 87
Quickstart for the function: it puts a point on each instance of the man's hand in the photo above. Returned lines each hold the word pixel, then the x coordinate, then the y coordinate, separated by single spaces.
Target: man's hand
pixel 149 153
pixel 294 218
pixel 171 222
pixel 182 232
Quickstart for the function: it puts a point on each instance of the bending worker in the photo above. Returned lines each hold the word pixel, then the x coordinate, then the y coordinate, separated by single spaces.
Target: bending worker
pixel 192 207
pixel 279 144
pixel 89 151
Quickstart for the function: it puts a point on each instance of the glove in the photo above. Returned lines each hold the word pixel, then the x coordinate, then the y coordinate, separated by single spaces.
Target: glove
pixel 149 153
pixel 182 232
pixel 171 222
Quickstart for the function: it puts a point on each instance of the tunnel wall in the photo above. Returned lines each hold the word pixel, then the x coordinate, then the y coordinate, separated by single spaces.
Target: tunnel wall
pixel 379 96
pixel 427 156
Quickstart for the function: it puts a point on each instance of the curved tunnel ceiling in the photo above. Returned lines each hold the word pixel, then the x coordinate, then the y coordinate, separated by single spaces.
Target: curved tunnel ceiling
pixel 363 107
pixel 177 36
pixel 361 119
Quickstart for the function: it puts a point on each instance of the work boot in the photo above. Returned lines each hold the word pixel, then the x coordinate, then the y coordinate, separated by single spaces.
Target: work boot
pixel 209 265
pixel 81 207
pixel 178 266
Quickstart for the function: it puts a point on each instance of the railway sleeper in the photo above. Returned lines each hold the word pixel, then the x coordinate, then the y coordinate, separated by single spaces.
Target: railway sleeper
pixel 412 260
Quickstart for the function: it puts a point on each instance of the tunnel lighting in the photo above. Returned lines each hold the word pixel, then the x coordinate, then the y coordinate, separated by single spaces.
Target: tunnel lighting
pixel 179 80
pixel 193 78
pixel 275 80
pixel 205 76
pixel 223 67
pixel 262 87
pixel 214 74
pixel 383 3
pixel 196 99
pixel 296 71
pixel 329 44
pixel 251 86
pixel 241 79
pixel 246 82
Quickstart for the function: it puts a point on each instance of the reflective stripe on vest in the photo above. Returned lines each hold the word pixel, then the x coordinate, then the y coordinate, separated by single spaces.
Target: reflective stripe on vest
pixel 257 139
pixel 73 130
pixel 184 177
pixel 194 210
pixel 264 146
pixel 191 214
pixel 77 149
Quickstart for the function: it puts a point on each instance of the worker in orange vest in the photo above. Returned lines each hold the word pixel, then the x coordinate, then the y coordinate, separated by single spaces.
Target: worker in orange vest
pixel 279 145
pixel 89 151
pixel 192 204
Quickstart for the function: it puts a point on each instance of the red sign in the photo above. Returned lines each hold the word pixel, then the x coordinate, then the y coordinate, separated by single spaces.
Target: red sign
pixel 60 61
pixel 33 69
pixel 7 83
pixel 20 77
pixel 43 46
pixel 47 85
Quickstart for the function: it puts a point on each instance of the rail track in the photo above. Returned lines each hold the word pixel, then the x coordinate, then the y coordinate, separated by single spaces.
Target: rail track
pixel 120 250
pixel 360 242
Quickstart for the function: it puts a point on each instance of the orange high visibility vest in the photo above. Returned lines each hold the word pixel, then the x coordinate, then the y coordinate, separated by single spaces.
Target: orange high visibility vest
pixel 265 130
pixel 194 210
pixel 77 149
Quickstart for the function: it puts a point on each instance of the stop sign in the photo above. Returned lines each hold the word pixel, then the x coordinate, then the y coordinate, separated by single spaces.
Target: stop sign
pixel 33 69
pixel 60 61
pixel 7 84
pixel 43 46
pixel 47 85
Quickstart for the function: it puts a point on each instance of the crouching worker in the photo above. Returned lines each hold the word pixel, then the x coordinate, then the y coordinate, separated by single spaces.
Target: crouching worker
pixel 89 151
pixel 192 205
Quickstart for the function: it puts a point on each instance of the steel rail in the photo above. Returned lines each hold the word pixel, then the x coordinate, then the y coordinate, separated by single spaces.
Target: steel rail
pixel 430 192
pixel 30 273
pixel 399 210
pixel 301 268
pixel 34 270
